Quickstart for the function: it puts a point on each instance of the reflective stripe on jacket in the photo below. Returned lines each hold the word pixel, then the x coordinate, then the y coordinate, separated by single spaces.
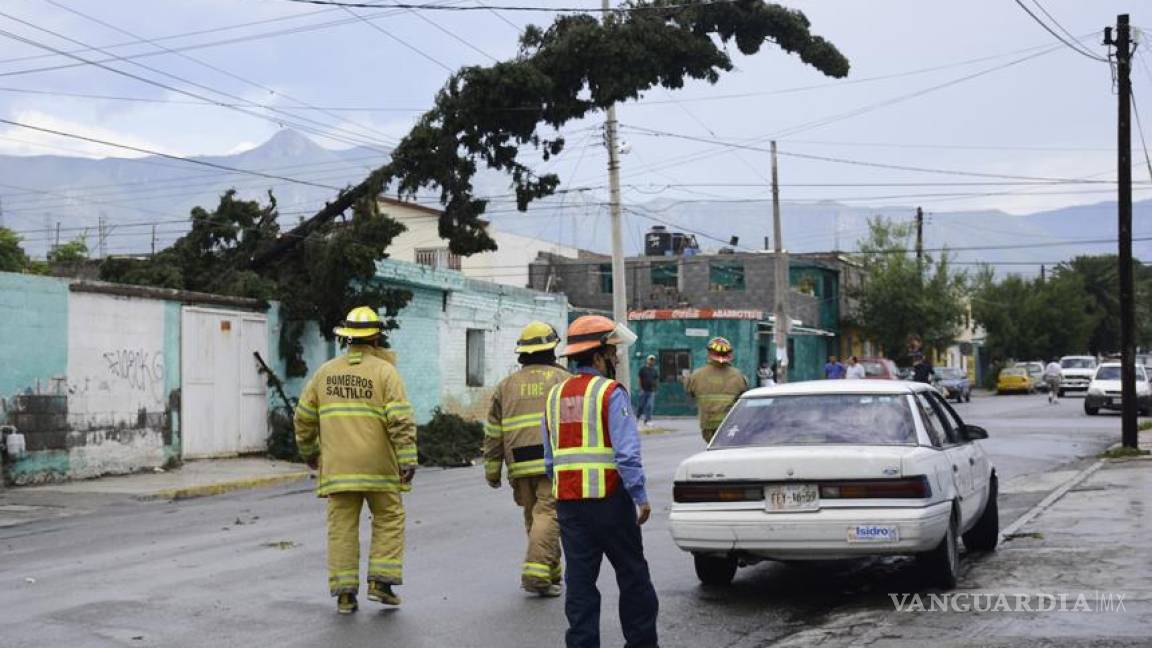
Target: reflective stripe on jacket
pixel 512 433
pixel 355 415
pixel 715 388
pixel 583 461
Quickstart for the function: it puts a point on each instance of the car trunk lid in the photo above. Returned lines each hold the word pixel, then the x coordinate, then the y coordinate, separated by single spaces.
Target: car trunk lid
pixel 796 463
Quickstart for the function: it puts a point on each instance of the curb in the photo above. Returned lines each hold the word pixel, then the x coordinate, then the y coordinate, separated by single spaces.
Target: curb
pixel 219 488
pixel 1050 499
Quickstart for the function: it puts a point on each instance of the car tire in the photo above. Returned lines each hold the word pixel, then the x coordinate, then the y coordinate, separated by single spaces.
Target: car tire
pixel 1060 393
pixel 985 534
pixel 943 563
pixel 1091 411
pixel 715 570
pixel 968 397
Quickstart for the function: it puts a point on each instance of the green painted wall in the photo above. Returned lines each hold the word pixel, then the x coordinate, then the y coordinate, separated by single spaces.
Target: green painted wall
pixel 654 336
pixel 34 345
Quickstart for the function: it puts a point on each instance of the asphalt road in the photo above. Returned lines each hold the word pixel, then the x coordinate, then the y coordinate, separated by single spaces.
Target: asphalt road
pixel 247 569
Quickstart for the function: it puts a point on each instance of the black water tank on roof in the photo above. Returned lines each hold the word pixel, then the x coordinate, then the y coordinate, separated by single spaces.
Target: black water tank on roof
pixel 658 241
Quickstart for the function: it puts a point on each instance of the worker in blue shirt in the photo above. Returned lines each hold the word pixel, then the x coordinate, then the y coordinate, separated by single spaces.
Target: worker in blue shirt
pixel 592 454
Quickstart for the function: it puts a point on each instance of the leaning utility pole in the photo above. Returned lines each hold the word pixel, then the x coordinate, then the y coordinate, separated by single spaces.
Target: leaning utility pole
pixel 1123 44
pixel 780 290
pixel 619 287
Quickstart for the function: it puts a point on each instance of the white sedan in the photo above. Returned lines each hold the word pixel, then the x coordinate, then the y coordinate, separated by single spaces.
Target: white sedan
pixel 836 469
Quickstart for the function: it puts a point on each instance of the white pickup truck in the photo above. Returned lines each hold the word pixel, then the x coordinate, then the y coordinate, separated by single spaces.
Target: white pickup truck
pixel 1076 372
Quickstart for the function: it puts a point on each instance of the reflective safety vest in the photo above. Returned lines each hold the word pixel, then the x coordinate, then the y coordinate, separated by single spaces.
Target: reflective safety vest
pixel 583 461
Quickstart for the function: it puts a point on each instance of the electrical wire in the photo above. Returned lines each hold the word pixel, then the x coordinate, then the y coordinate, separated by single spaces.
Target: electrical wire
pixel 373 132
pixel 1069 43
pixel 396 38
pixel 275 120
pixel 519 8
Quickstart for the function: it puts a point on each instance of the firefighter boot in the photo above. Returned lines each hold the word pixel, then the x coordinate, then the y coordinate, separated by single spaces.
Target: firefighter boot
pixel 382 593
pixel 346 604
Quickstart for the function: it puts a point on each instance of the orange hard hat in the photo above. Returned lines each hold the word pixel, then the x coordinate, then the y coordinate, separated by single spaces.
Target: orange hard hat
pixel 591 332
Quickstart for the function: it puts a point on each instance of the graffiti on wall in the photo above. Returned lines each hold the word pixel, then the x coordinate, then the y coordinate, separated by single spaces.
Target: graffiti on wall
pixel 142 370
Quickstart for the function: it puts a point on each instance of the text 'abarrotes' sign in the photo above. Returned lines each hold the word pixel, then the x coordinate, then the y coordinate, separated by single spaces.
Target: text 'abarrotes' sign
pixel 695 313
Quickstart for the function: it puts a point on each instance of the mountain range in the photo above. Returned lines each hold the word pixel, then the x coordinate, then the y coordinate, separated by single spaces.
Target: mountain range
pixel 131 196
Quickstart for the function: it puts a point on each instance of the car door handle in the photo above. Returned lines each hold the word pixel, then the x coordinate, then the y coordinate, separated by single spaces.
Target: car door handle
pixel 971 461
pixel 955 468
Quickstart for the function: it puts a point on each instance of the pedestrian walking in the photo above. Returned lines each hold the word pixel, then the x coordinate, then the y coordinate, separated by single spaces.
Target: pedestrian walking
pixel 765 375
pixel 512 437
pixel 592 453
pixel 715 387
pixel 1053 376
pixel 354 424
pixel 649 381
pixel 833 369
pixel 855 370
pixel 922 370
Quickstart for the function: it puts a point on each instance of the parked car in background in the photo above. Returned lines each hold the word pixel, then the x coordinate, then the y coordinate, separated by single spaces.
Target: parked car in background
pixel 953 383
pixel 1076 372
pixel 879 369
pixel 1104 390
pixel 1014 380
pixel 836 469
pixel 1035 374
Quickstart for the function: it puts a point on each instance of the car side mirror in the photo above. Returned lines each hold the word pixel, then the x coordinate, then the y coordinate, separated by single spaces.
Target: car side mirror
pixel 975 433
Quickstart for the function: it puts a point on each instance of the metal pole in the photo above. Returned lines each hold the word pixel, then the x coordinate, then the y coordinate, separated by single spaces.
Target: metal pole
pixel 619 285
pixel 780 290
pixel 1124 214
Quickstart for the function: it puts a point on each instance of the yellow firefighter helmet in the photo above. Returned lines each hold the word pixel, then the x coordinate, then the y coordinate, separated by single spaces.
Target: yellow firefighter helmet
pixel 537 336
pixel 361 322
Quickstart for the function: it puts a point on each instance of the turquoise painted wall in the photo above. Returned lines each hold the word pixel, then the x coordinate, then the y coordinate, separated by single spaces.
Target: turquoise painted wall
pixel 654 336
pixel 172 380
pixel 34 342
pixel 417 347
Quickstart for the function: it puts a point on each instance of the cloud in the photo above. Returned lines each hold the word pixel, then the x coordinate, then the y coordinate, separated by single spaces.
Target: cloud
pixel 16 140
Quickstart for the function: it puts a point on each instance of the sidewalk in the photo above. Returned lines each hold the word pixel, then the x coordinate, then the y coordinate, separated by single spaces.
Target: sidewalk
pixel 1083 566
pixel 192 479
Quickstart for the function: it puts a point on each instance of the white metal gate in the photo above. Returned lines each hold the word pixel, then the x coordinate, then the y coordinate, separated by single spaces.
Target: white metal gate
pixel 224 402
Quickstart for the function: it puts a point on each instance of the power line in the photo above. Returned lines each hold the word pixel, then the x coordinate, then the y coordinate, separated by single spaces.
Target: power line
pixel 209 66
pixel 1070 44
pixel 881 165
pixel 165 155
pixel 396 38
pixel 171 88
pixel 518 8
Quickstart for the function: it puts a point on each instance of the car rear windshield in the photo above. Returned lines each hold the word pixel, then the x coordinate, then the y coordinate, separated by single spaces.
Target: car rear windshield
pixel 873 369
pixel 949 373
pixel 1014 371
pixel 1077 363
pixel 1113 373
pixel 816 419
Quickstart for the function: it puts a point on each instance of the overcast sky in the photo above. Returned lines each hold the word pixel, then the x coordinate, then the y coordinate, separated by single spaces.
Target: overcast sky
pixel 1052 115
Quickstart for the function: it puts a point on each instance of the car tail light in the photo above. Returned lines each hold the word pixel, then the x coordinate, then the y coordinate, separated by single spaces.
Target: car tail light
pixel 907 488
pixel 704 492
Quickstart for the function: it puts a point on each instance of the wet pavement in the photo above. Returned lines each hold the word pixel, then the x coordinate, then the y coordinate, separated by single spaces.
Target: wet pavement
pixel 247 568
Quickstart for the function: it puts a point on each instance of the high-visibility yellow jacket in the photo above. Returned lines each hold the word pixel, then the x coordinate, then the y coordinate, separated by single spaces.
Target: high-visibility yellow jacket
pixel 715 387
pixel 355 415
pixel 512 434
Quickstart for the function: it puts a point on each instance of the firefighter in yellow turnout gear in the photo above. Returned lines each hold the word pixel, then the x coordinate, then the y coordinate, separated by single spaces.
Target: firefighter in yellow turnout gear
pixel 355 423
pixel 715 387
pixel 512 437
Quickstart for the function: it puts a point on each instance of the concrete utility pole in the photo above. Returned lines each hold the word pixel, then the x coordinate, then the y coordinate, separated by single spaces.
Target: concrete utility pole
pixel 1123 44
pixel 619 286
pixel 780 310
pixel 919 235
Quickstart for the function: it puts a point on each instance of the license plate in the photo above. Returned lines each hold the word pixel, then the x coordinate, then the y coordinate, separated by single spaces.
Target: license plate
pixel 873 533
pixel 791 497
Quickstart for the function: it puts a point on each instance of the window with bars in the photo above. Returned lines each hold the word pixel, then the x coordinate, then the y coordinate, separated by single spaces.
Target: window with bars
pixel 724 276
pixel 438 258
pixel 673 363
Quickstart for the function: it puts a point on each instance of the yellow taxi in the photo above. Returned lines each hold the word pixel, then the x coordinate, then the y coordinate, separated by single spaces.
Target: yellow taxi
pixel 1014 379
